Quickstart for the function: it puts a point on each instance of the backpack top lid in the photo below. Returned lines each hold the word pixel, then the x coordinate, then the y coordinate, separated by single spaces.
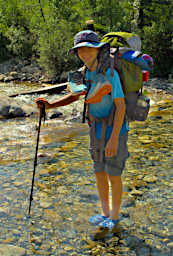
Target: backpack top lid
pixel 123 41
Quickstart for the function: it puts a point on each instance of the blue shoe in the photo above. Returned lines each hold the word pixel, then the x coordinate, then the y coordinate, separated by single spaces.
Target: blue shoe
pixel 95 220
pixel 108 224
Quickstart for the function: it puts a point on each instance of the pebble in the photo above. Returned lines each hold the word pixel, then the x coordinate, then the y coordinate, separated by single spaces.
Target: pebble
pixel 150 179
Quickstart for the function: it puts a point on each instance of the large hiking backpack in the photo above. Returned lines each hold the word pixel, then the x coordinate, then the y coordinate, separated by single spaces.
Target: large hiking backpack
pixel 125 56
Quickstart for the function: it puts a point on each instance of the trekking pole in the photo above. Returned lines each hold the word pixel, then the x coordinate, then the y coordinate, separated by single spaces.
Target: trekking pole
pixel 42 114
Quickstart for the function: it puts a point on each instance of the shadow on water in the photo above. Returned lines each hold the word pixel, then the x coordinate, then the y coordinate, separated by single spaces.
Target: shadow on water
pixel 65 191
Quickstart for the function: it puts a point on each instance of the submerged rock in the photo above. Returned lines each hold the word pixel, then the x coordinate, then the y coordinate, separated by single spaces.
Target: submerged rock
pixel 11 250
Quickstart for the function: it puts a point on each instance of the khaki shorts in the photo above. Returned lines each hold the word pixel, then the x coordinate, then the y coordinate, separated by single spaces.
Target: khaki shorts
pixel 113 165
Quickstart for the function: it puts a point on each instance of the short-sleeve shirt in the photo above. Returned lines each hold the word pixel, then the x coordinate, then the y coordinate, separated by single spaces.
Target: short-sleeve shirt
pixel 103 108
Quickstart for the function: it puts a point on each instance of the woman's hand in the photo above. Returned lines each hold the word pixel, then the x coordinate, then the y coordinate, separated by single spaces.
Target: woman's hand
pixel 111 148
pixel 42 101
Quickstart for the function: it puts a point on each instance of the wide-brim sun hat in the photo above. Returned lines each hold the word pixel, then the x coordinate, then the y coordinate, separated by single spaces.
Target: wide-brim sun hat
pixel 86 38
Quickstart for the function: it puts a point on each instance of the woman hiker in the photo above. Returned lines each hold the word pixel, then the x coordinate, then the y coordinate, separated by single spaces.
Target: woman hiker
pixel 108 126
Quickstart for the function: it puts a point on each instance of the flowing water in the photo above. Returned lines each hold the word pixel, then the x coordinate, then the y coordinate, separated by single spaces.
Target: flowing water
pixel 65 191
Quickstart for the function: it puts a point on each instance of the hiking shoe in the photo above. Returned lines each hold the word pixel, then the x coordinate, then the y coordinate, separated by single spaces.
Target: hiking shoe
pixel 109 224
pixel 99 91
pixel 95 220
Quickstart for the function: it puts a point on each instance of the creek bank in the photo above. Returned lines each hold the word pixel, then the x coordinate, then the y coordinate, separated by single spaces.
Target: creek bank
pixel 30 71
pixel 160 84
pixel 26 70
pixel 17 71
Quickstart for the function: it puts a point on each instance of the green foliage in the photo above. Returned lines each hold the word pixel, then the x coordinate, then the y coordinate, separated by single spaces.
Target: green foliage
pixel 53 46
pixel 156 11
pixel 45 28
pixel 4 53
pixel 62 8
pixel 20 42
pixel 158 44
pixel 15 31
pixel 155 25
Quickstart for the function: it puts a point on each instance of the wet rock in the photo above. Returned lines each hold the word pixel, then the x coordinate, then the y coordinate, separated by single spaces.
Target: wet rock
pixel 160 84
pixel 125 213
pixel 23 77
pixel 45 204
pixel 13 74
pixel 36 240
pixel 150 178
pixel 11 250
pixel 136 192
pixel 3 209
pixel 129 202
pixel 2 77
pixel 144 251
pixel 54 114
pixel 170 244
pixel 45 80
pixel 10 111
pixel 8 79
pixel 44 155
pixel 11 108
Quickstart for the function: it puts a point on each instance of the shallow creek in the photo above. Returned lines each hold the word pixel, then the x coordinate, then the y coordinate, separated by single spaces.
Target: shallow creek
pixel 65 191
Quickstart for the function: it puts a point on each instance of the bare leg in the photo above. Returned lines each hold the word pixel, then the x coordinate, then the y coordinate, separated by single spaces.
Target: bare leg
pixel 117 188
pixel 103 190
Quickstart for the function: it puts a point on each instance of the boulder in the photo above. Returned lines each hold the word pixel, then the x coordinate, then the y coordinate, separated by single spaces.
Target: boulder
pixel 11 108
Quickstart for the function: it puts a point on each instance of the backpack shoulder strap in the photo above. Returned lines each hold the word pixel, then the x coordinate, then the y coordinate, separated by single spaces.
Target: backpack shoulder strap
pixel 113 66
pixel 89 86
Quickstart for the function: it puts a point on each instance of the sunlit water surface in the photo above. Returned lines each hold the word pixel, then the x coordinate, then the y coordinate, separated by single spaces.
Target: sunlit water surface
pixel 65 191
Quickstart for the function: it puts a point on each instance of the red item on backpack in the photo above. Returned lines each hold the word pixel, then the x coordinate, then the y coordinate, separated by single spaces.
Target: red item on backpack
pixel 145 75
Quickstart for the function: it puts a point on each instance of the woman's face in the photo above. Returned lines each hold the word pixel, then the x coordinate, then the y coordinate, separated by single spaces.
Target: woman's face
pixel 89 56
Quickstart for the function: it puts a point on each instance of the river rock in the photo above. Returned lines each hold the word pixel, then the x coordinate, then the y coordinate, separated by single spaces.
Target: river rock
pixel 9 79
pixel 2 77
pixel 11 250
pixel 170 244
pixel 54 114
pixel 11 108
pixel 150 178
pixel 13 74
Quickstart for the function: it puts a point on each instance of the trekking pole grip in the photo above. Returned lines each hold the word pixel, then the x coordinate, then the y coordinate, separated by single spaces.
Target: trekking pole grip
pixel 43 112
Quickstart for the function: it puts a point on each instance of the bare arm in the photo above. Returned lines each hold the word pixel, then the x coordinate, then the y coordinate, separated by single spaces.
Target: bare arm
pixel 65 100
pixel 112 144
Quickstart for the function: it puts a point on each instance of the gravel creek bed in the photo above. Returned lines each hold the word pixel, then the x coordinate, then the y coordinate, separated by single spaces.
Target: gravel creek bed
pixel 65 191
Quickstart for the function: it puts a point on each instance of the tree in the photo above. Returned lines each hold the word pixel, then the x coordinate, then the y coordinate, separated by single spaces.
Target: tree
pixel 153 21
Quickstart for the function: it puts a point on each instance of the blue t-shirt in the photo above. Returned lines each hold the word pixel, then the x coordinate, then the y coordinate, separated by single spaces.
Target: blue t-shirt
pixel 103 108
